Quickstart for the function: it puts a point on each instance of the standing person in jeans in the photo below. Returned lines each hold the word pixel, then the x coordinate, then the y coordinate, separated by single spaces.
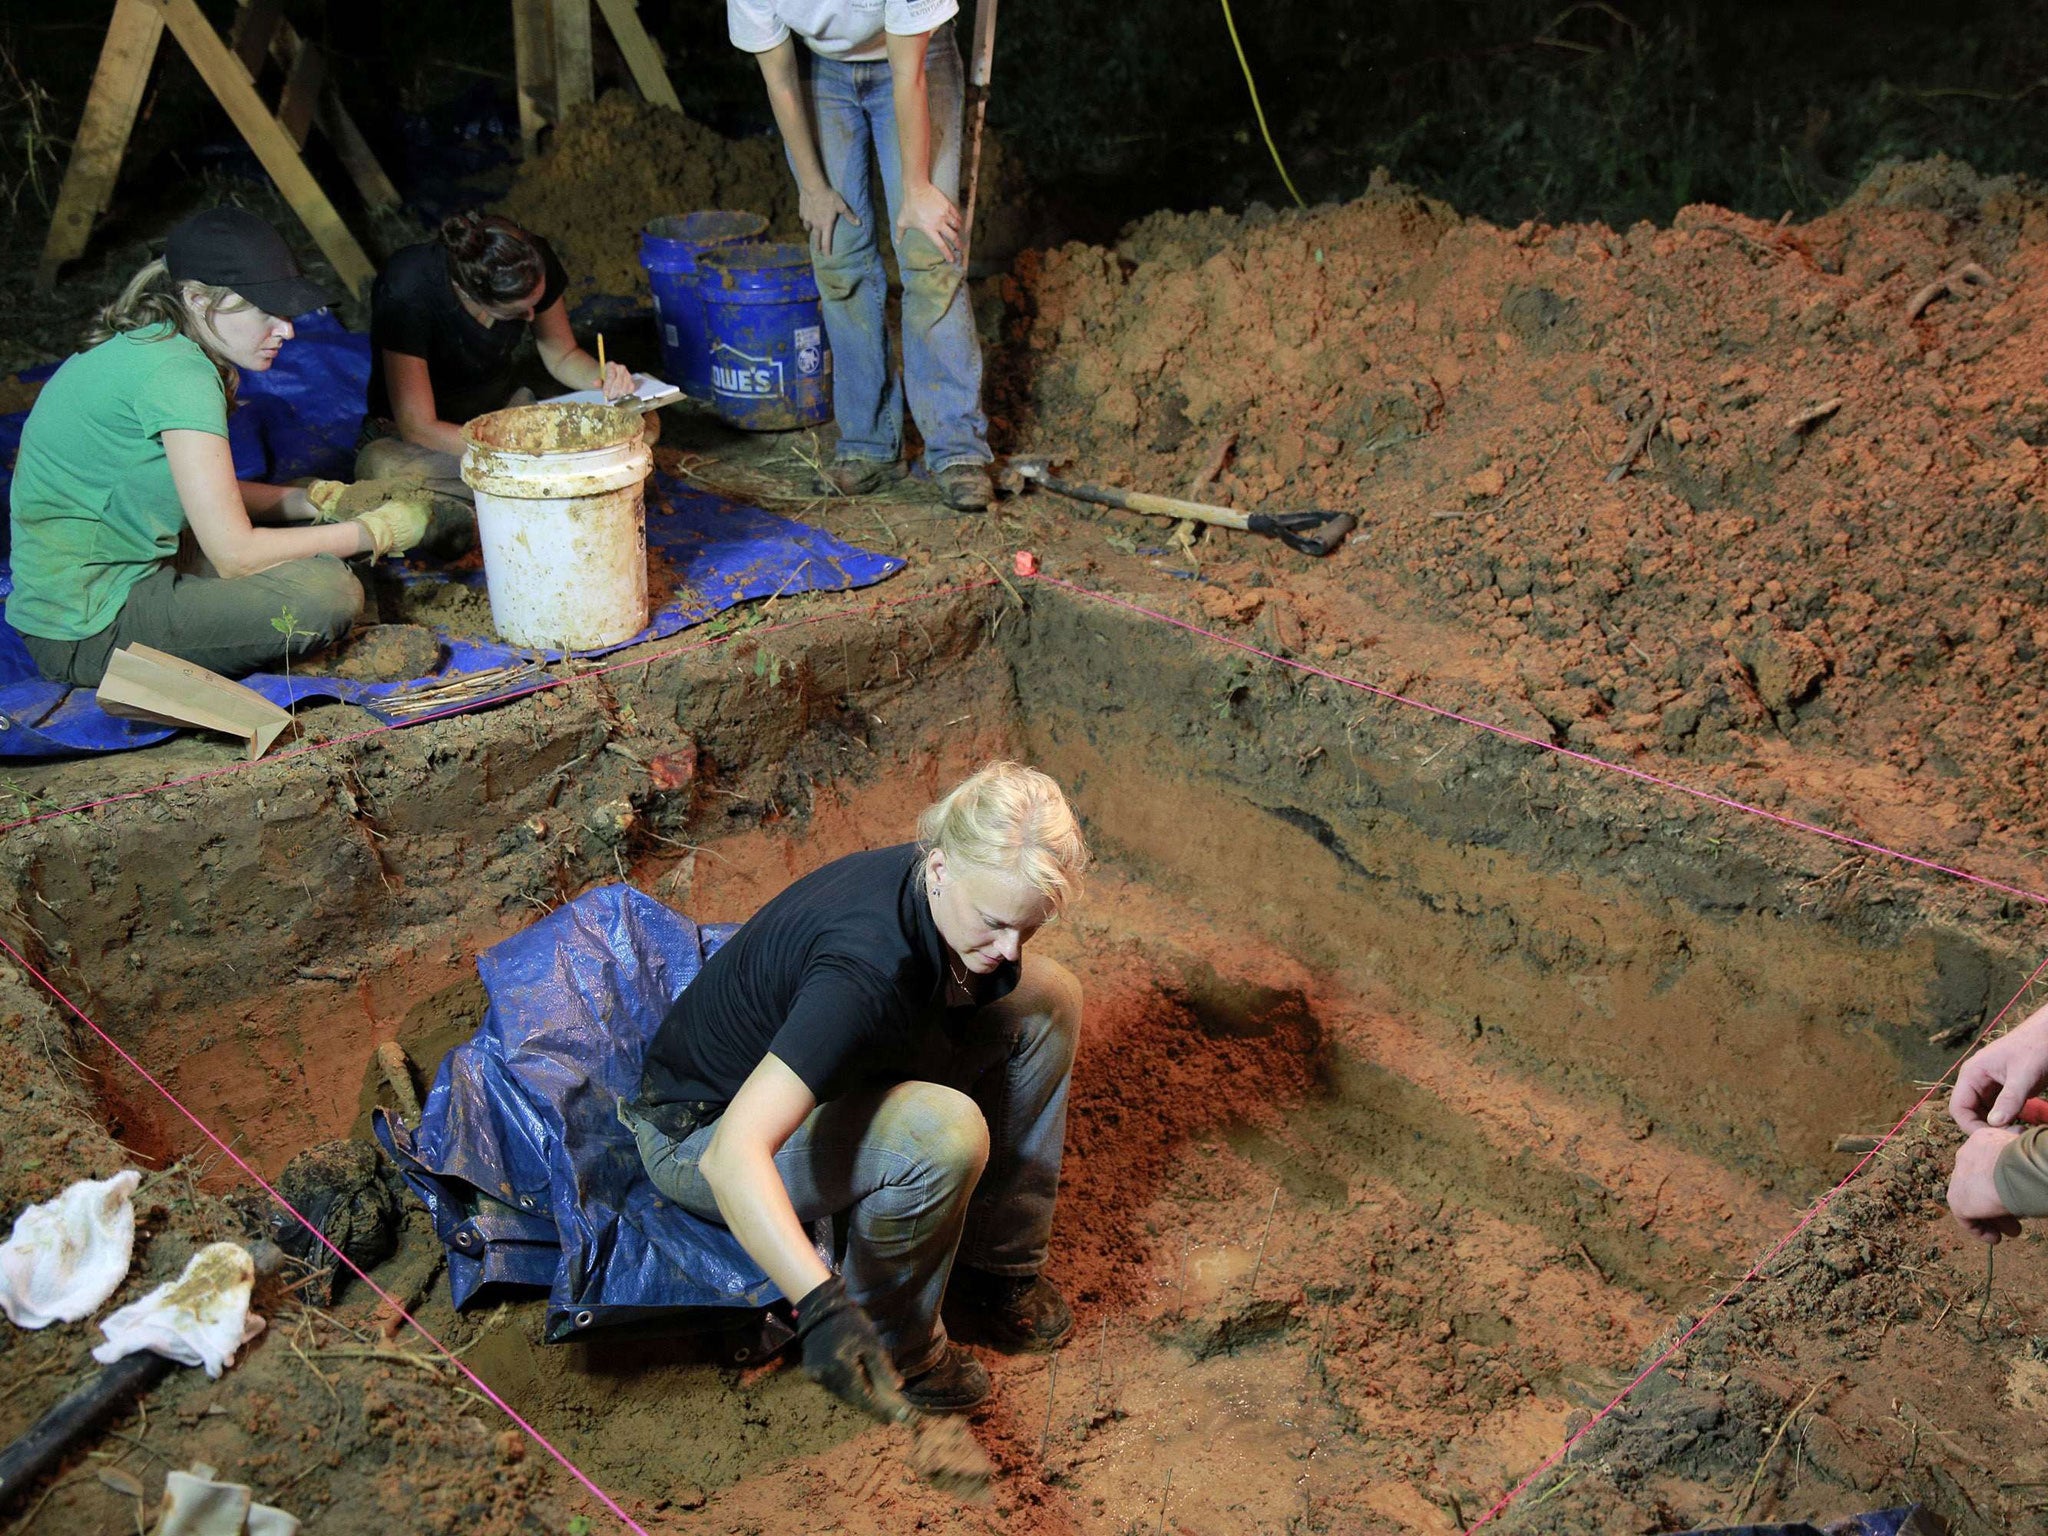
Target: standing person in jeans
pixel 881 80
pixel 126 451
pixel 875 1042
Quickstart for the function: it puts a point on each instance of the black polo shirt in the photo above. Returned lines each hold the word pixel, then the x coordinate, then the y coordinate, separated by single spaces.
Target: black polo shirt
pixel 842 977
pixel 414 310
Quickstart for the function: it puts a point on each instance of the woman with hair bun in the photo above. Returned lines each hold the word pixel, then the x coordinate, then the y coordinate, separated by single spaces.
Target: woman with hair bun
pixel 447 317
pixel 876 1044
pixel 126 452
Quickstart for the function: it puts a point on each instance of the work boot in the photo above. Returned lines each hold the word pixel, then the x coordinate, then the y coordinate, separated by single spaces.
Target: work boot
pixel 855 477
pixel 957 1383
pixel 1018 1314
pixel 965 487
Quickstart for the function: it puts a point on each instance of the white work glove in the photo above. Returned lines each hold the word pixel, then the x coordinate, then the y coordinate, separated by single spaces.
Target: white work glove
pixel 396 526
pixel 324 496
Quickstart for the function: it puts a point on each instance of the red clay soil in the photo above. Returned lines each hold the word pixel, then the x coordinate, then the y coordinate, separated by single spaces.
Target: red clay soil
pixel 1828 533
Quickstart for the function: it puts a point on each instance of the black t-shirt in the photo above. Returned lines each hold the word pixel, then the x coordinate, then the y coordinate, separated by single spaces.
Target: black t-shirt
pixel 414 310
pixel 842 976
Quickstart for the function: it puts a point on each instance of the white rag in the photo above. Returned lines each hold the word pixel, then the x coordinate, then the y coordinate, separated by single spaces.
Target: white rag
pixel 69 1254
pixel 200 1318
pixel 195 1505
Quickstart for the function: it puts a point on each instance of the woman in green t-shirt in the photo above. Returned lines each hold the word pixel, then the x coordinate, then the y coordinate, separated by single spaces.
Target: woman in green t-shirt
pixel 127 448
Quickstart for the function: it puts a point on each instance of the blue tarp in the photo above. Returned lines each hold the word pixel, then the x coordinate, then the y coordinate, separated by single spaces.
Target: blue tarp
pixel 1903 1521
pixel 519 1155
pixel 302 417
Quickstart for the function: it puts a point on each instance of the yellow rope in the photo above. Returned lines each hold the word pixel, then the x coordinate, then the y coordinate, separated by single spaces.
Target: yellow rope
pixel 1257 110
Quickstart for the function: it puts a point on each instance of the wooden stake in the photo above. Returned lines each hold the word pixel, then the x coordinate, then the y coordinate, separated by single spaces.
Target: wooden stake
pixel 236 92
pixel 573 74
pixel 1252 1290
pixel 1101 1347
pixel 980 70
pixel 1052 1381
pixel 642 57
pixel 533 48
pixel 110 108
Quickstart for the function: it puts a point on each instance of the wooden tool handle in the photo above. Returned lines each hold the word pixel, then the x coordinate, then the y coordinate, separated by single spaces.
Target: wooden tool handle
pixel 1145 501
pixel 1200 511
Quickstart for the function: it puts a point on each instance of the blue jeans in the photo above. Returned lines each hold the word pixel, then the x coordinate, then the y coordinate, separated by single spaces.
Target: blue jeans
pixel 853 115
pixel 926 1170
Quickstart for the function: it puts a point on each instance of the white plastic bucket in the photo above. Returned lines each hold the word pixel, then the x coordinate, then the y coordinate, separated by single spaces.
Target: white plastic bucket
pixel 561 511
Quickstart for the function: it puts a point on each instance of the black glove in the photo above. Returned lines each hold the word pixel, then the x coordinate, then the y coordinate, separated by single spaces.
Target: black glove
pixel 844 1355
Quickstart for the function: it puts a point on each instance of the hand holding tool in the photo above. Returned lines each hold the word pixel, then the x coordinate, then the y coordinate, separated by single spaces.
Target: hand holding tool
pixel 843 1354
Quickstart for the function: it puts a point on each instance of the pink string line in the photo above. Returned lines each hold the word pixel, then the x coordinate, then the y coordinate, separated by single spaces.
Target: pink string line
pixel 392 1301
pixel 543 686
pixel 1756 1269
pixel 1536 741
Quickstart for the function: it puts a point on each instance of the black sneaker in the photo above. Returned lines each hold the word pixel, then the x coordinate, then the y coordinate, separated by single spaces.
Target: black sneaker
pixel 1018 1314
pixel 957 1383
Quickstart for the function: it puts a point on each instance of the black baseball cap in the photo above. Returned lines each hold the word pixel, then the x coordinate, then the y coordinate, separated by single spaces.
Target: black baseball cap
pixel 233 248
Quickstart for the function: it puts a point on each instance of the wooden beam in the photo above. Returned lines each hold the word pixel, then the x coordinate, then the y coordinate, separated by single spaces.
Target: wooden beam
pixel 301 97
pixel 332 118
pixel 574 79
pixel 533 48
pixel 355 152
pixel 110 108
pixel 255 31
pixel 236 92
pixel 642 56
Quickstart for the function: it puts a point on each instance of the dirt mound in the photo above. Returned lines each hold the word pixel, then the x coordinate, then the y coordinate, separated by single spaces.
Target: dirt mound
pixel 1695 487
pixel 619 162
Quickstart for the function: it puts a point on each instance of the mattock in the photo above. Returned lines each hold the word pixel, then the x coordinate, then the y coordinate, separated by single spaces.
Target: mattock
pixel 1312 533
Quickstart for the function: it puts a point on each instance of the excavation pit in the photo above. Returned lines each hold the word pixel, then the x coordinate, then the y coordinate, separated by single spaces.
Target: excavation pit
pixel 1427 1081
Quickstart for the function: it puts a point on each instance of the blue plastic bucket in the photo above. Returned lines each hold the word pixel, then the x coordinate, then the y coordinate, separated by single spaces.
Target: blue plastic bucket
pixel 669 250
pixel 771 367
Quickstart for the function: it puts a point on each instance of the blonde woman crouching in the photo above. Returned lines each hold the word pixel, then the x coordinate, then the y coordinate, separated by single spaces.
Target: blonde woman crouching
pixel 875 1042
pixel 127 447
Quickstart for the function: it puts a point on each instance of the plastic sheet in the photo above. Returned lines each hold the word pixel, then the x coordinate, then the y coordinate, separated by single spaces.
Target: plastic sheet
pixel 302 417
pixel 519 1155
pixel 1907 1520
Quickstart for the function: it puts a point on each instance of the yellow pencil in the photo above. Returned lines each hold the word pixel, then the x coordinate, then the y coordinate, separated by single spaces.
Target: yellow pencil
pixel 600 364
